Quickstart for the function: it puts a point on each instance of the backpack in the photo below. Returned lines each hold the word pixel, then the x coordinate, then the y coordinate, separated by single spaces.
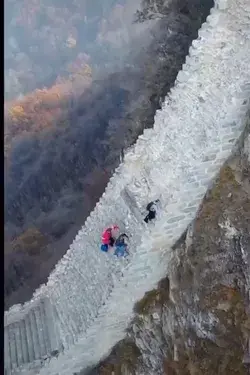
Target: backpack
pixel 104 248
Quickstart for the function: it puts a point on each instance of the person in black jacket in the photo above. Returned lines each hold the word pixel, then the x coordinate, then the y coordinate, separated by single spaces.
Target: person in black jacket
pixel 151 208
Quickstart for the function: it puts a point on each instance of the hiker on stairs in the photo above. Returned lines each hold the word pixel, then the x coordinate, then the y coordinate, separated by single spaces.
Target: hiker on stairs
pixel 121 247
pixel 152 209
pixel 108 237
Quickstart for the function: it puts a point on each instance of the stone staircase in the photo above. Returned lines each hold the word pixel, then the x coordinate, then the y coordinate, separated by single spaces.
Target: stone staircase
pixel 32 338
pixel 87 303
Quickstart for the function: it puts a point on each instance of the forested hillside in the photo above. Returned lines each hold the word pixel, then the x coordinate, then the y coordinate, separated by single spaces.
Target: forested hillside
pixel 62 142
pixel 48 41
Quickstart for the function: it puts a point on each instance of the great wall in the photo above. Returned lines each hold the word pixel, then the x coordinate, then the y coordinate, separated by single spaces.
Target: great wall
pixel 75 319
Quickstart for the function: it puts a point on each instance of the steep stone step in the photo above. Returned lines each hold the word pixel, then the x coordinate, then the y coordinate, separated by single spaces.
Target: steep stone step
pixel 7 359
pixel 34 332
pixel 30 345
pixel 73 301
pixel 63 310
pixel 12 342
pixel 45 327
pixel 83 310
pixel 66 334
pixel 38 319
pixel 24 342
pixel 130 202
pixel 72 330
pixel 20 359
pixel 80 307
pixel 53 333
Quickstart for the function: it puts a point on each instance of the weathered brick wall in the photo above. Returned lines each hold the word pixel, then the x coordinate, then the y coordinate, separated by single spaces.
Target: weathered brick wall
pixel 88 300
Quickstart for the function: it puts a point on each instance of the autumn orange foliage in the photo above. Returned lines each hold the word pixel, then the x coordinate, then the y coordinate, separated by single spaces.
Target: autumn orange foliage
pixel 40 110
pixel 31 241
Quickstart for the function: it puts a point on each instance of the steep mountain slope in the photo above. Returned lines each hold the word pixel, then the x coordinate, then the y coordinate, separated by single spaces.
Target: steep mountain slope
pixel 198 320
pixel 45 42
pixel 63 146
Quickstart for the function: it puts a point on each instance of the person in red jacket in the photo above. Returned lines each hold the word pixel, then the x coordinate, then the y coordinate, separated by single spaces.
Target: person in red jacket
pixel 108 237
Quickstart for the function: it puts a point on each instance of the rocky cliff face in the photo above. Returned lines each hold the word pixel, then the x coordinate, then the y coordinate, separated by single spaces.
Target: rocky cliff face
pixel 198 320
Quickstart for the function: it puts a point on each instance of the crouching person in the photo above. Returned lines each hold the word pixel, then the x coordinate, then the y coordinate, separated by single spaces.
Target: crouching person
pixel 108 237
pixel 121 247
pixel 152 210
